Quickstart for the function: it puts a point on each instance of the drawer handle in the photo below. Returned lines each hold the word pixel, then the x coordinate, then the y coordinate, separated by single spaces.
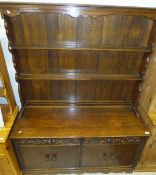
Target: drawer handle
pixel 47 157
pixel 104 156
pixel 54 157
pixel 110 156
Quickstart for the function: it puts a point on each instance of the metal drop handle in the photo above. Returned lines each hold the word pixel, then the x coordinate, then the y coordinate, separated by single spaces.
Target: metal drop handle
pixel 54 157
pixel 104 156
pixel 47 157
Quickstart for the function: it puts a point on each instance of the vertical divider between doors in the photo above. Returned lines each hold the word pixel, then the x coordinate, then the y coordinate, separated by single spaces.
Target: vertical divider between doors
pixel 80 155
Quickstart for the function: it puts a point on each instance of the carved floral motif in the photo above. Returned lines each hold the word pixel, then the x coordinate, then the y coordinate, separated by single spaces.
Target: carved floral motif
pixel 94 140
pixel 11 12
pixel 112 140
pixel 50 141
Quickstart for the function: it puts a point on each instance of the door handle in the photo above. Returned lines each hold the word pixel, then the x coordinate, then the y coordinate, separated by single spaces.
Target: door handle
pixel 112 156
pixel 47 157
pixel 104 156
pixel 54 157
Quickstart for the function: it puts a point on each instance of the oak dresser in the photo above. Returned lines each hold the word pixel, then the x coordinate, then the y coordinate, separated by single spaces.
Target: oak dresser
pixel 80 71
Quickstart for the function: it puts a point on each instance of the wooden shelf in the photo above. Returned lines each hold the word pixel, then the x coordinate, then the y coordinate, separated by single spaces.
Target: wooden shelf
pixel 78 121
pixel 78 46
pixel 78 76
pixel 2 92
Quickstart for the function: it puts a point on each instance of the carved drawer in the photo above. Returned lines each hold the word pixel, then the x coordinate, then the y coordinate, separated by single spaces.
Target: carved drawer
pixel 109 152
pixel 46 157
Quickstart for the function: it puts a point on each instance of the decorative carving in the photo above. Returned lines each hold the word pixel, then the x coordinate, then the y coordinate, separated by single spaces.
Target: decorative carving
pixel 11 12
pixel 77 13
pixel 94 140
pixel 8 33
pixel 111 140
pixel 50 141
pixel 74 11
pixel 71 11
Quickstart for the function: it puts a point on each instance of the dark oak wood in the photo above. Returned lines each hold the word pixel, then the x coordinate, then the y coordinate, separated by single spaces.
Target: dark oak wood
pixel 81 170
pixel 53 156
pixel 76 46
pixel 78 121
pixel 85 11
pixel 48 157
pixel 106 155
pixel 77 76
pixel 79 70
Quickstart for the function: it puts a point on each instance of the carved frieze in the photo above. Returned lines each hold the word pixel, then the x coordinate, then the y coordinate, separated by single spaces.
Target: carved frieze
pixel 74 11
pixel 94 140
pixel 50 141
pixel 112 140
pixel 11 12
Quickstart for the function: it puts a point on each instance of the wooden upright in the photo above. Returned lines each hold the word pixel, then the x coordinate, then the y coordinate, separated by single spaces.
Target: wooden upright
pixel 8 161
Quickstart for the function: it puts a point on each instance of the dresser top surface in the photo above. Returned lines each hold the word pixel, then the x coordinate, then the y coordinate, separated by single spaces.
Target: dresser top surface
pixel 78 122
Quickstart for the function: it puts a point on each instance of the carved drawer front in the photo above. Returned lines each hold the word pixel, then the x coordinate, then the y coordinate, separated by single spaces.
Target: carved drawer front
pixel 98 155
pixel 45 157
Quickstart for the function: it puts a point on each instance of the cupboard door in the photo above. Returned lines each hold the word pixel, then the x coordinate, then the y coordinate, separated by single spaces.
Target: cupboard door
pixel 46 157
pixel 108 155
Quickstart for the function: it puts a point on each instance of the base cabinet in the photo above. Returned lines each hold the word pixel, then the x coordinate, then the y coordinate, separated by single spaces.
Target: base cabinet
pixel 106 155
pixel 80 72
pixel 80 154
pixel 47 157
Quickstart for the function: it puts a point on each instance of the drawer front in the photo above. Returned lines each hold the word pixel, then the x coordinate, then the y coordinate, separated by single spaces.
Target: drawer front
pixel 108 155
pixel 46 157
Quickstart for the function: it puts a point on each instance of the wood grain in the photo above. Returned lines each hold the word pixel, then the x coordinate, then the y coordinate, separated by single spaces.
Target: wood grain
pixel 80 70
pixel 78 121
